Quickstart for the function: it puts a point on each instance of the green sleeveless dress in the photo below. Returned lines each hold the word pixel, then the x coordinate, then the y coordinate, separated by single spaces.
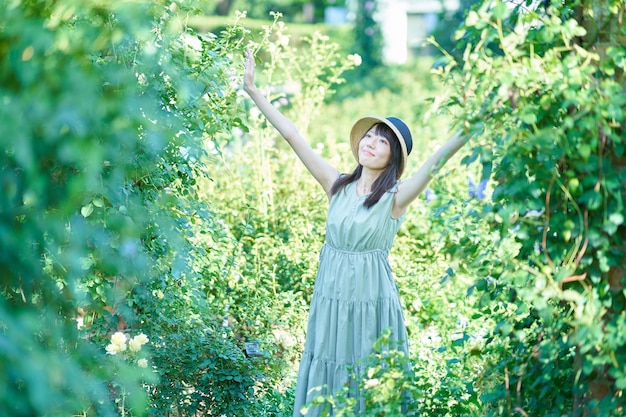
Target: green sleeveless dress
pixel 355 297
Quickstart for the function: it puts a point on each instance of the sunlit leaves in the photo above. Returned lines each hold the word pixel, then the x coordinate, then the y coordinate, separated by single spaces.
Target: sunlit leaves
pixel 98 175
pixel 558 164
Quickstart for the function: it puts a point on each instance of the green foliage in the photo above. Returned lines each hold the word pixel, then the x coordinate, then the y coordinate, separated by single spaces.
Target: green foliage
pixel 553 145
pixel 68 141
pixel 342 35
pixel 387 389
pixel 136 197
pixel 368 38
pixel 104 112
pixel 449 22
pixel 292 9
pixel 394 386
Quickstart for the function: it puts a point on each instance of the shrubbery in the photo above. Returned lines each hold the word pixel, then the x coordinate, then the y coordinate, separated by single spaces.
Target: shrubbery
pixel 141 194
pixel 549 90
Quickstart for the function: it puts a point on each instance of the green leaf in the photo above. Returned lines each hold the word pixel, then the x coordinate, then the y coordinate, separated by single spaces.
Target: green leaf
pixel 584 150
pixel 571 295
pixel 528 115
pixel 616 218
pixel 592 198
pixel 472 18
pixel 501 11
pixel 86 210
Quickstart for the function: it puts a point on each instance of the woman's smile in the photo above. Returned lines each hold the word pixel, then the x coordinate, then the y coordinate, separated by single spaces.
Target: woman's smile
pixel 374 150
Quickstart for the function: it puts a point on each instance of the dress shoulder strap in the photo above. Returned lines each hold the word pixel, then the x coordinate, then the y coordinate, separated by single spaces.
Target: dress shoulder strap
pixel 394 188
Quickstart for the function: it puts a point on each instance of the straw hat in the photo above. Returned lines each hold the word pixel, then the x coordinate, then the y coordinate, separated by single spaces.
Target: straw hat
pixel 398 127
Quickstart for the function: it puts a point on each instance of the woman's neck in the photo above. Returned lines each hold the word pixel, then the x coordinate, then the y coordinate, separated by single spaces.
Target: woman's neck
pixel 365 182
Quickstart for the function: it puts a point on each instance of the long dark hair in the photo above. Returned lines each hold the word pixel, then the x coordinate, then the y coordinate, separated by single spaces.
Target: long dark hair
pixel 387 179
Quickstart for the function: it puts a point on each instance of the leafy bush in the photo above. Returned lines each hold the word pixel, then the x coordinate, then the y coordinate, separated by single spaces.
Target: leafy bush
pixel 549 90
pixel 105 108
pixel 136 197
pixel 72 154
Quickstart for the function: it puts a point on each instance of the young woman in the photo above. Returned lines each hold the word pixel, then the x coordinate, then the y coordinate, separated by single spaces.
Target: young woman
pixel 355 297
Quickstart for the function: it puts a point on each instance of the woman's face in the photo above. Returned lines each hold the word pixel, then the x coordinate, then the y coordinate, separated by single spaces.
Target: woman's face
pixel 374 150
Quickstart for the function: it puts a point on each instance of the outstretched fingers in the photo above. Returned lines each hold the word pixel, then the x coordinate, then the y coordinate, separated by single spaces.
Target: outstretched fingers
pixel 248 74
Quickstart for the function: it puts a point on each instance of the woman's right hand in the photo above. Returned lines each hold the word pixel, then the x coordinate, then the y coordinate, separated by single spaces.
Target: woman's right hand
pixel 248 73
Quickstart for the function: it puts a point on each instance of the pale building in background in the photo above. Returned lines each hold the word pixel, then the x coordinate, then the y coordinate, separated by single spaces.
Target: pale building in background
pixel 405 25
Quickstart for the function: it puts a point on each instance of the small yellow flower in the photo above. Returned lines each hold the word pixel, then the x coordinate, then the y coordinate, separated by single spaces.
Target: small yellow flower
pixel 142 363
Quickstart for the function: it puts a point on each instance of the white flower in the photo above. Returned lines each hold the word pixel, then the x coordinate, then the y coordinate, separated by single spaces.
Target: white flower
pixel 356 59
pixel 134 345
pixel 118 338
pixel 118 343
pixel 371 383
pixel 141 338
pixel 284 338
pixel 142 363
pixel 282 39
pixel 112 349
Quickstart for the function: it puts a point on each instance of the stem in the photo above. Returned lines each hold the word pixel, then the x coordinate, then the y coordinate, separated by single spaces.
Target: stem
pixel 581 222
pixel 501 36
pixel 123 408
pixel 544 238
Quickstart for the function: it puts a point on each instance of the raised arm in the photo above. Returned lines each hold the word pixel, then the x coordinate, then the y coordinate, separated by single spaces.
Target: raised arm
pixel 323 172
pixel 412 187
